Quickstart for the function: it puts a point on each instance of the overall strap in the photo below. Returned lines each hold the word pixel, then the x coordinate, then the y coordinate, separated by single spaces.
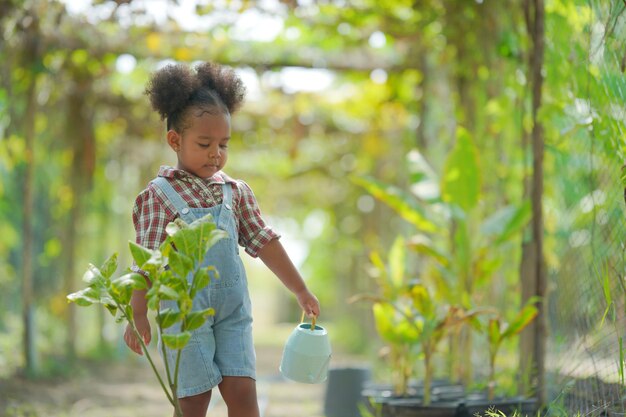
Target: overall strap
pixel 179 204
pixel 227 205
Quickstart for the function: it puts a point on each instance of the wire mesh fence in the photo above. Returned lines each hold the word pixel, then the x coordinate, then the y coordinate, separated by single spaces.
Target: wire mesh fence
pixel 587 317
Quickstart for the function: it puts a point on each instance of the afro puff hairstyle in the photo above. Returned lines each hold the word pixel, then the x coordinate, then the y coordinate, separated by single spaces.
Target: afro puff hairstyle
pixel 176 88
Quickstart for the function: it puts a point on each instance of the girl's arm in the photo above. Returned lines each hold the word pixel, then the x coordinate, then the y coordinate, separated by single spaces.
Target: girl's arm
pixel 140 317
pixel 150 220
pixel 273 255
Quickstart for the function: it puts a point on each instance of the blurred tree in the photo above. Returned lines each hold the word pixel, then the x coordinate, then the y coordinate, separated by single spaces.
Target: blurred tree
pixel 532 267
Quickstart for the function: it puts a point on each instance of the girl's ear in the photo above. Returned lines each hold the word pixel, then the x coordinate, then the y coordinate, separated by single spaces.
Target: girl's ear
pixel 173 139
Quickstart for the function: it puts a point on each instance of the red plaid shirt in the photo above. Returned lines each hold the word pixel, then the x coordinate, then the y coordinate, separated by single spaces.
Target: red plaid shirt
pixel 153 210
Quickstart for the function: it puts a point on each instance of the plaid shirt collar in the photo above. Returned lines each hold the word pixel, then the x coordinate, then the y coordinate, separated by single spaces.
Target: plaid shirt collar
pixel 171 172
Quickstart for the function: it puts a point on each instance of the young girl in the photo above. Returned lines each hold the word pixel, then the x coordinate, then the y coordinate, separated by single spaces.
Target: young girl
pixel 197 105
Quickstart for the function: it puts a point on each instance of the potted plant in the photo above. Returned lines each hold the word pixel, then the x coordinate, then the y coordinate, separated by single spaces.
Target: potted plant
pixel 413 323
pixel 395 329
pixel 182 252
pixel 458 243
pixel 431 323
pixel 498 330
pixel 434 321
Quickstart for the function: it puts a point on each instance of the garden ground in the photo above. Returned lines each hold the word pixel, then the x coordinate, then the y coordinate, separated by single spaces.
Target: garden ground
pixel 128 389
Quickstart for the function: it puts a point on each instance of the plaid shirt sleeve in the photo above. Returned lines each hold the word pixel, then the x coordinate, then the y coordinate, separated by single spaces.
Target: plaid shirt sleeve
pixel 253 232
pixel 150 217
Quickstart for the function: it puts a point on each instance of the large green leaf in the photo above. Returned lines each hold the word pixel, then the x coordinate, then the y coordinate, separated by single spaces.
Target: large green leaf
pixel 168 317
pixel 132 280
pixel 214 236
pixel 195 239
pixel 392 327
pixel 85 297
pixel 521 320
pixel 196 319
pixel 424 181
pixel 463 251
pixel 423 244
pixel 461 179
pixel 140 254
pixel 122 287
pixel 93 276
pixel 109 266
pixel 176 341
pixel 202 278
pixel 506 222
pixel 397 263
pixel 180 263
pixel 403 203
pixel 168 293
pixel 423 301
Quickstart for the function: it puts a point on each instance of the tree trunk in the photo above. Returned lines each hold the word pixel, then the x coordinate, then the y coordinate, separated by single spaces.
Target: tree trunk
pixel 533 263
pixel 81 138
pixel 527 336
pixel 28 192
pixel 27 233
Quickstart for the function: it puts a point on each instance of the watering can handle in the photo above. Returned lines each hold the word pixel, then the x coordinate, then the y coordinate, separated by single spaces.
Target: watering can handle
pixel 312 320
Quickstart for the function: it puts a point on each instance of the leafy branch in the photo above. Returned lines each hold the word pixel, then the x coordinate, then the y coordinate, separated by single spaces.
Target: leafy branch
pixel 176 273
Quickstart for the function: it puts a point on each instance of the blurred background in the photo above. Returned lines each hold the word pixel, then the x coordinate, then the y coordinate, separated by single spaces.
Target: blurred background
pixel 349 103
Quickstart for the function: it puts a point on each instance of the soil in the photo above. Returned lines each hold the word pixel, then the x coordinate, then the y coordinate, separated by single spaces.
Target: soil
pixel 129 389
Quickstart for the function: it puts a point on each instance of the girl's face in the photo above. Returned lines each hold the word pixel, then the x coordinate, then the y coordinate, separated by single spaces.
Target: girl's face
pixel 202 148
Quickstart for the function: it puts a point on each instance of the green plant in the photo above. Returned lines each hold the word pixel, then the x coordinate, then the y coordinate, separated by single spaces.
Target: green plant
pixel 392 312
pixel 435 321
pixel 498 330
pixel 408 317
pixel 452 230
pixel 182 253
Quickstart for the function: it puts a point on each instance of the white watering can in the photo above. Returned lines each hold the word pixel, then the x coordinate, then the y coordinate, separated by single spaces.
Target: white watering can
pixel 306 355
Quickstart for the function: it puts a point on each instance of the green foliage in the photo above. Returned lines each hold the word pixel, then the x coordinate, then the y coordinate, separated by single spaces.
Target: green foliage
pixel 168 271
pixel 497 330
pixel 469 255
pixel 464 258
pixel 398 200
pixel 461 184
pixel 409 318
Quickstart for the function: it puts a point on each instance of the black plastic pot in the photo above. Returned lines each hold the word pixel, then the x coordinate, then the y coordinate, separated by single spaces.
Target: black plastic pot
pixel 524 406
pixel 441 389
pixel 469 406
pixel 444 395
pixel 407 407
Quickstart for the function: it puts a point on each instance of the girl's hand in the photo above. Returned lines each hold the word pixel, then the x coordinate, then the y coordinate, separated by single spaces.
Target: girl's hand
pixel 309 303
pixel 143 326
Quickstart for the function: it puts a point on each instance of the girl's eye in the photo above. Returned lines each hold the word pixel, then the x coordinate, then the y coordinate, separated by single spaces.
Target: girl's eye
pixel 224 146
pixel 203 145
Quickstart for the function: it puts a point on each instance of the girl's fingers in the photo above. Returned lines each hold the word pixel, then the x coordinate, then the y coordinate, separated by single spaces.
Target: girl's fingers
pixel 132 343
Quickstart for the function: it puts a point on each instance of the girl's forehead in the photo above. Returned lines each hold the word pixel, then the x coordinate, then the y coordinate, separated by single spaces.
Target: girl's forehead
pixel 202 119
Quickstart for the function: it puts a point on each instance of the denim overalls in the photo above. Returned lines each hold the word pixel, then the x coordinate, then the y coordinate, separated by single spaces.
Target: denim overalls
pixel 223 345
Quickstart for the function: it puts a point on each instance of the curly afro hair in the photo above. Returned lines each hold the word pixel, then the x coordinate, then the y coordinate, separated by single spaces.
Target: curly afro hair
pixel 211 87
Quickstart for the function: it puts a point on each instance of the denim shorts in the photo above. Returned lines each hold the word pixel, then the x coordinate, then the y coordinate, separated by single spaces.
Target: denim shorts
pixel 223 346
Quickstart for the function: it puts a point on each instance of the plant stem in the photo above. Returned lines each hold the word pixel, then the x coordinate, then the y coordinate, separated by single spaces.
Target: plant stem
pixel 491 386
pixel 176 368
pixel 145 350
pixel 427 374
pixel 172 383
